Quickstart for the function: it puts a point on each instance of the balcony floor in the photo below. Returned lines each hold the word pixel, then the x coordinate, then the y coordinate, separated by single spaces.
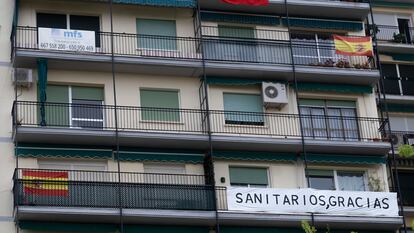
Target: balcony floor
pixel 201 218
pixel 187 140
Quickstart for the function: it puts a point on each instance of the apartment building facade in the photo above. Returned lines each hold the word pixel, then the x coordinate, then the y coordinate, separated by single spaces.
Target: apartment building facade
pixel 171 107
pixel 395 33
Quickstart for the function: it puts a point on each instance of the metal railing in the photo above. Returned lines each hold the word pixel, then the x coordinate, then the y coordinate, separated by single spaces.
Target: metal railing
pixel 166 120
pixel 398 86
pixel 395 35
pixel 268 47
pixel 69 188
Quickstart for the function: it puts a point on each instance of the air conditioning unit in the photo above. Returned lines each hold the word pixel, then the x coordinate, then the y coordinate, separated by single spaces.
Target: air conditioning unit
pixel 22 77
pixel 397 139
pixel 274 94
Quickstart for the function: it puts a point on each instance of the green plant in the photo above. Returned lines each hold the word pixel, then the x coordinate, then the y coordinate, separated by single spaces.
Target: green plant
pixel 406 151
pixel 343 63
pixel 375 184
pixel 307 227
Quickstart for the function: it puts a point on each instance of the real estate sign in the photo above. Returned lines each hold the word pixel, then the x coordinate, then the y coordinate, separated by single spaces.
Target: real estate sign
pixel 66 40
pixel 312 201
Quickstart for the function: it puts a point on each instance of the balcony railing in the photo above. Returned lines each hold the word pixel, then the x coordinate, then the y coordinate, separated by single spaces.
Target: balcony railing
pixel 68 188
pixel 399 86
pixel 164 120
pixel 395 34
pixel 268 47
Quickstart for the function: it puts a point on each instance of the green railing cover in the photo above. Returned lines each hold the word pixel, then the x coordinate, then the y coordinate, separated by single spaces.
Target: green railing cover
pixel 337 88
pixel 67 227
pixel 324 24
pixel 239 18
pixel 164 229
pixel 345 159
pixel 162 3
pixel 51 152
pixel 160 156
pixel 254 156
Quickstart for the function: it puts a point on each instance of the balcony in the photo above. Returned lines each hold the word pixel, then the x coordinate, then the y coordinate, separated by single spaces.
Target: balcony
pixel 393 39
pixel 186 128
pixel 399 90
pixel 269 54
pixel 71 195
pixel 342 9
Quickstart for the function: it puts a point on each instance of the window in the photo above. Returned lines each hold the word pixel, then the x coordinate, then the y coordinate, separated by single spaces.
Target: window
pixel 337 180
pixel 236 32
pixel 329 119
pixel 86 109
pixel 310 48
pixel 156 34
pixel 399 79
pixel 243 109
pixel 244 49
pixel 404 27
pixel 249 177
pixel 73 165
pixel 75 22
pixel 391 79
pixel 407 186
pixel 170 174
pixel 160 105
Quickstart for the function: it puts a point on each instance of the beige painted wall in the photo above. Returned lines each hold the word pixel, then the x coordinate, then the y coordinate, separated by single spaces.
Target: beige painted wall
pixel 124 16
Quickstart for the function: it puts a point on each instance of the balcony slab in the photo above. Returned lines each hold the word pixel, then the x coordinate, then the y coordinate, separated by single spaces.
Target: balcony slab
pixel 294 220
pixel 391 47
pixel 400 99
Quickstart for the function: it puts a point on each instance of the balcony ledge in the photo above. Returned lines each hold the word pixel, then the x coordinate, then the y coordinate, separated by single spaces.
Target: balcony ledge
pixel 400 99
pixel 391 47
pixel 294 220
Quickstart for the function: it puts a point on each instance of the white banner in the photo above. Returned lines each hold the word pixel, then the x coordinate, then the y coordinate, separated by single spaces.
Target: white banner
pixel 66 40
pixel 312 201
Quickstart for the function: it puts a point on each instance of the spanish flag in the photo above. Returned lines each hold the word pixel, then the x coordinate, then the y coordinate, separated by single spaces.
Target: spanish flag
pixel 46 183
pixel 353 46
pixel 247 2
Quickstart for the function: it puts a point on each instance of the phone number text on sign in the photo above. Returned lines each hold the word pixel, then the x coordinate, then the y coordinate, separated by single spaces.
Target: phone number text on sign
pixel 66 40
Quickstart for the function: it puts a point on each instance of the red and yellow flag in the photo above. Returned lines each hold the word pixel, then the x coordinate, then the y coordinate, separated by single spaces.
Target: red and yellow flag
pixel 353 46
pixel 248 2
pixel 46 183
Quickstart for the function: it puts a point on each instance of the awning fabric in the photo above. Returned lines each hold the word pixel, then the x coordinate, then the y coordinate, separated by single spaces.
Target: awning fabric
pixel 164 229
pixel 42 85
pixel 63 152
pixel 160 156
pixel 67 227
pixel 161 3
pixel 239 18
pixel 254 156
pixel 400 56
pixel 345 159
pixel 324 24
pixel 337 88
pixel 399 107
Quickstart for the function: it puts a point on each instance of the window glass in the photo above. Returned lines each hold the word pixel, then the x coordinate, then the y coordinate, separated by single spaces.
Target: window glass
pixel 87 109
pixel 248 177
pixel 87 23
pixel 56 113
pixel 389 71
pixel 160 105
pixel 351 181
pixel 320 179
pixel 51 20
pixel 407 71
pixel 243 109
pixel 407 186
pixel 156 34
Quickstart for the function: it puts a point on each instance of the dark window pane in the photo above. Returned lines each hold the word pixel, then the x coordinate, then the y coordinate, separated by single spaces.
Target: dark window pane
pixel 392 86
pixel 407 187
pixel 87 23
pixel 408 87
pixel 51 20
pixel 322 182
pixel 407 72
pixel 389 71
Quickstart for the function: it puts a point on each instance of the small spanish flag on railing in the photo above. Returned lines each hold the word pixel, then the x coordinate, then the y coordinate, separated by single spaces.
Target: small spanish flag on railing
pixel 46 183
pixel 353 46
pixel 247 2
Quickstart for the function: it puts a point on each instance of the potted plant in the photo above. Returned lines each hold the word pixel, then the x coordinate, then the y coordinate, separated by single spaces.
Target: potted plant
pixel 329 63
pixel 406 151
